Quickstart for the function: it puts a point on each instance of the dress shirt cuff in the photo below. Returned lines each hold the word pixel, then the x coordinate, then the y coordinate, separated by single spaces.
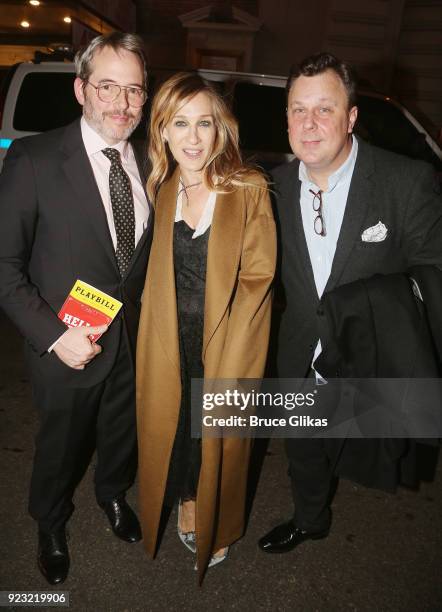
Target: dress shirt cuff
pixel 51 348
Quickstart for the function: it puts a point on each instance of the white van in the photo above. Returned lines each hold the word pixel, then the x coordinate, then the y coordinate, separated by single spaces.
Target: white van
pixel 259 103
pixel 36 98
pixel 39 96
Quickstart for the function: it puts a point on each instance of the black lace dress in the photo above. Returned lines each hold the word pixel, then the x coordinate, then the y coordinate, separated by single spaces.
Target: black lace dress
pixel 190 259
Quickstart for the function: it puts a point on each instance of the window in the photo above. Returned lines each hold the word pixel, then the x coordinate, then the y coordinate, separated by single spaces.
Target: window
pixel 384 125
pixel 46 100
pixel 261 114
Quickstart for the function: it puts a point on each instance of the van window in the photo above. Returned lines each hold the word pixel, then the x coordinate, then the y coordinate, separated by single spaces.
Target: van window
pixel 260 111
pixel 384 125
pixel 46 100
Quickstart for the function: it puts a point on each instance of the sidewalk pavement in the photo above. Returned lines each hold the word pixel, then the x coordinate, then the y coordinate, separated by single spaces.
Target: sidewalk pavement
pixel 384 551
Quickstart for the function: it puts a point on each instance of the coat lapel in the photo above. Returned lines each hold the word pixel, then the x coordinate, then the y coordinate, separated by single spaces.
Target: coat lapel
pixel 291 226
pixel 79 174
pixel 358 202
pixel 161 271
pixel 223 260
pixel 300 241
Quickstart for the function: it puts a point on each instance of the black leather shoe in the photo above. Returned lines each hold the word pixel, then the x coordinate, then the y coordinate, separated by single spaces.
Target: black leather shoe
pixel 286 537
pixel 53 556
pixel 122 519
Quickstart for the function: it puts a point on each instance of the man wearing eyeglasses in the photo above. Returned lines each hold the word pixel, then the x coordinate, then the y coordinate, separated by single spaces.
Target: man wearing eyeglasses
pixel 73 206
pixel 345 211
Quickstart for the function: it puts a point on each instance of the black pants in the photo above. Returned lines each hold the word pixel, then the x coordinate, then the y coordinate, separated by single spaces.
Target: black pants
pixel 311 480
pixel 74 422
pixel 311 472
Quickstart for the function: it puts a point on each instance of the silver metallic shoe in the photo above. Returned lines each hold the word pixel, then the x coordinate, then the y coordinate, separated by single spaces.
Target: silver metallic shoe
pixel 215 560
pixel 189 538
pixel 218 559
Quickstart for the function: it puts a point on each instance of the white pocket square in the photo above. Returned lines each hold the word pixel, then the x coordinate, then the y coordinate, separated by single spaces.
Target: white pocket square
pixel 377 233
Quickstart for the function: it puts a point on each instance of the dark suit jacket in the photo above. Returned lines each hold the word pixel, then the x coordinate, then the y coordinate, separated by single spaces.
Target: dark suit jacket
pixel 400 192
pixel 53 231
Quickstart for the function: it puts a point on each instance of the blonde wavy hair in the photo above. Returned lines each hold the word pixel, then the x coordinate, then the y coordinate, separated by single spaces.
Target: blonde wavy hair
pixel 224 170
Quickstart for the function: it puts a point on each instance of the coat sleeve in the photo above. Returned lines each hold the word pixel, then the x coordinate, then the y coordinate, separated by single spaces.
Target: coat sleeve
pixel 245 349
pixel 19 297
pixel 423 218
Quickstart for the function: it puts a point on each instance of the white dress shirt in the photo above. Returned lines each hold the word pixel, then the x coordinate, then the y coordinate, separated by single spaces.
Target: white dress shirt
pixel 94 145
pixel 334 200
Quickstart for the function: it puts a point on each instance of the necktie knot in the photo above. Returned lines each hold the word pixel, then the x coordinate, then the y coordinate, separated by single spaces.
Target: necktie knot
pixel 112 154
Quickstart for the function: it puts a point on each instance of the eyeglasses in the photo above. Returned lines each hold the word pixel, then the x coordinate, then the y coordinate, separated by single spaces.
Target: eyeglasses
pixel 136 96
pixel 319 222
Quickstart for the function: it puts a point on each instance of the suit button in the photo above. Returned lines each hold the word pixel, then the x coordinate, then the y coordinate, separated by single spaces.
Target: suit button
pixel 311 347
pixel 320 311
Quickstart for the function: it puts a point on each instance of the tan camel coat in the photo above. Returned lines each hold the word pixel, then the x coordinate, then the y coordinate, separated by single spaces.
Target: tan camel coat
pixel 240 269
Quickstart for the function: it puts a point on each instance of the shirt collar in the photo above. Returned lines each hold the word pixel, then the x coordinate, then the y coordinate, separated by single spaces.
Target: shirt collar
pixel 339 175
pixel 94 143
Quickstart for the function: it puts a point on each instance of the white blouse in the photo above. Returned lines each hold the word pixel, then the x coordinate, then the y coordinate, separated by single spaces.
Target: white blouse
pixel 205 219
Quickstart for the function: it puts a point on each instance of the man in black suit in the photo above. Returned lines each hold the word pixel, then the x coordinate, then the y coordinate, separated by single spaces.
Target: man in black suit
pixel 73 206
pixel 345 211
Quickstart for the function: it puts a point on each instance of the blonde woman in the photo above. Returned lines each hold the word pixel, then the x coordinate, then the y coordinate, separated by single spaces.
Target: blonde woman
pixel 206 313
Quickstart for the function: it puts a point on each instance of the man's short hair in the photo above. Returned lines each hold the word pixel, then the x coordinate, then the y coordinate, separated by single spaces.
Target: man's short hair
pixel 116 41
pixel 319 63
